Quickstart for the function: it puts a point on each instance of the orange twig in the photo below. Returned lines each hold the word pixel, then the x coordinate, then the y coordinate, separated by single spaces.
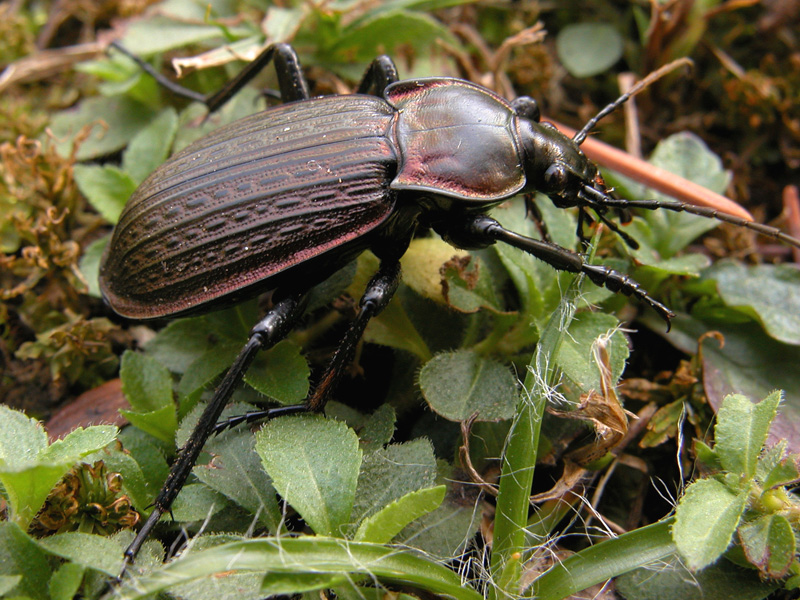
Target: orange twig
pixel 655 177
pixel 791 206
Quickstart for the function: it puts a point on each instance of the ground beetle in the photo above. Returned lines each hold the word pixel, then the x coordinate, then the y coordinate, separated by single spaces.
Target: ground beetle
pixel 281 199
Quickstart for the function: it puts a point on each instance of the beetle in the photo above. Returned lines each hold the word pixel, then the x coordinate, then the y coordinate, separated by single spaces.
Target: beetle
pixel 280 199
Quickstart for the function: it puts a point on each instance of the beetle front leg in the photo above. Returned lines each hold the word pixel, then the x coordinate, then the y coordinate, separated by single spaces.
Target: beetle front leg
pixel 480 231
pixel 269 331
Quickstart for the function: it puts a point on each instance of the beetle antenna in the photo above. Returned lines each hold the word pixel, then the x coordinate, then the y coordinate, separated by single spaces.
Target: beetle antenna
pixel 597 200
pixel 651 78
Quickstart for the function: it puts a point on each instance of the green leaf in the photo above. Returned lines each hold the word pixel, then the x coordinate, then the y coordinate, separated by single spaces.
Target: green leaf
pixel 180 343
pixel 21 556
pixel 161 423
pixel 8 583
pixel 281 23
pixel 771 292
pixel 160 33
pixel 686 155
pixel 586 49
pixel 670 581
pixel 106 187
pixel 93 551
pixel 390 29
pixel 393 328
pixel 686 265
pixel 458 384
pixel 741 431
pixel 390 520
pixel 603 561
pixel 390 473
pixel 147 385
pixel 783 472
pixel 21 438
pixel 150 454
pixel 378 429
pixel 115 121
pixel 705 521
pixel 78 443
pixel 29 468
pixel 374 430
pixel 314 464
pixel 65 581
pixel 197 502
pixel 769 543
pixel 236 472
pixel 281 373
pixel 150 147
pixel 90 264
pixel 446 531
pixel 304 557
pixel 576 358
pixel 206 368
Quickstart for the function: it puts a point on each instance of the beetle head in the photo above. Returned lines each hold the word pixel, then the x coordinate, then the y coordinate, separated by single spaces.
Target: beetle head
pixel 554 164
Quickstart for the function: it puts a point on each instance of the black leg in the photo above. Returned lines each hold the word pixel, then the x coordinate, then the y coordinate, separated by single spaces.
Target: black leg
pixel 380 73
pixel 629 241
pixel 580 228
pixel 599 201
pixel 480 231
pixel 291 81
pixel 533 212
pixel 379 292
pixel 270 330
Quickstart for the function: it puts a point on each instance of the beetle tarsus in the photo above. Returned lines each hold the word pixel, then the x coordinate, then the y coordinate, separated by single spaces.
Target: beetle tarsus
pixel 599 201
pixel 255 416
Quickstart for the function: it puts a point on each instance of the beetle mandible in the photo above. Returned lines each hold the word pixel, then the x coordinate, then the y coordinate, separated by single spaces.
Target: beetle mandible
pixel 280 199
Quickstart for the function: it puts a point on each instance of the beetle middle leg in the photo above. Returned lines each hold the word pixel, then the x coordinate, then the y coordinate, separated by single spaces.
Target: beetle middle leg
pixel 480 231
pixel 376 297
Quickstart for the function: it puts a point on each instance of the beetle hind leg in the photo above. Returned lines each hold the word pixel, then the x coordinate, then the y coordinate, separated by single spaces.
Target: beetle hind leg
pixel 379 75
pixel 269 331
pixel 291 81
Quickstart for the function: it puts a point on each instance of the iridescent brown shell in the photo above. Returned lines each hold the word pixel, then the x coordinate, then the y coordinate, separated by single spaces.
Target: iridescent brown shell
pixel 251 201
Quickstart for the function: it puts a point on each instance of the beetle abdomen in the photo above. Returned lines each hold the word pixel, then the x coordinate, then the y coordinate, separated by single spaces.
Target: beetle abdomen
pixel 250 201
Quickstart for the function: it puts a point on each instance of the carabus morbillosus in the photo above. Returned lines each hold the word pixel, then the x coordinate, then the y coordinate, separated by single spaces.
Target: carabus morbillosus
pixel 279 200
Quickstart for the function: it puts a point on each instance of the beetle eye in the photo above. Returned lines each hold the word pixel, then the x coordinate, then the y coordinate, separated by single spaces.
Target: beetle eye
pixel 527 107
pixel 556 177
